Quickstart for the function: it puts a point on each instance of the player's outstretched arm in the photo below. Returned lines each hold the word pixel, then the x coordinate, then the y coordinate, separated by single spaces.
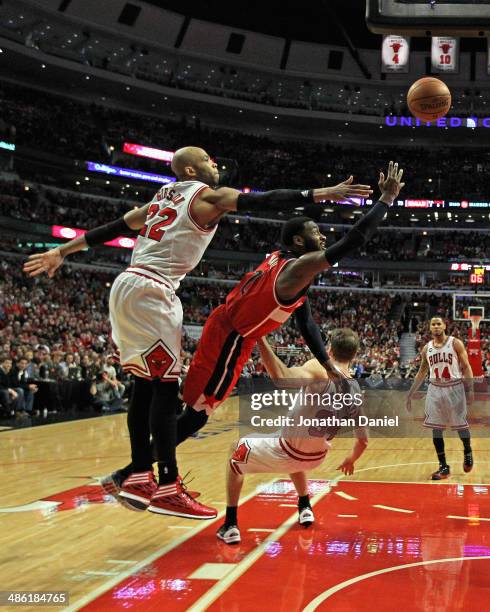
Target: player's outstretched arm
pixel 313 338
pixel 277 370
pixel 211 205
pixel 311 332
pixel 419 378
pixel 360 445
pixel 51 260
pixel 301 273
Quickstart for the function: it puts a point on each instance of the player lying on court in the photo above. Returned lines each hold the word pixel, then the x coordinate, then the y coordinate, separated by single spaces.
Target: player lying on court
pixel 262 302
pixel 298 448
pixel 175 229
pixel 445 359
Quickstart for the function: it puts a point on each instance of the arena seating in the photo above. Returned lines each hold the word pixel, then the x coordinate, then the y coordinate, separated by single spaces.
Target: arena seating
pixel 87 132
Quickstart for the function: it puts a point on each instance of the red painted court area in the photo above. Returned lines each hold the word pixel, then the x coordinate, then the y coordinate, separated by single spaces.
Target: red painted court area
pixel 419 546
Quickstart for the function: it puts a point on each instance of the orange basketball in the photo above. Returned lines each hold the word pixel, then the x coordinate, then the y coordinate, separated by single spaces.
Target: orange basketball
pixel 429 99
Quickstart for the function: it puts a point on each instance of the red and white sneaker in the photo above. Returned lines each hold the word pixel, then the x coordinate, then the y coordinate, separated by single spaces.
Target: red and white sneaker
pixel 181 480
pixel 172 499
pixel 112 484
pixel 140 487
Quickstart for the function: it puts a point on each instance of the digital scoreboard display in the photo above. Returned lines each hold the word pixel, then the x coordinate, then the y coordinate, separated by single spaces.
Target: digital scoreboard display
pixel 477 276
pixel 476 271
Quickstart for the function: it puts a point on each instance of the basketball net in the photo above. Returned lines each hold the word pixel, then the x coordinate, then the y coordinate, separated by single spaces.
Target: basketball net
pixel 475 324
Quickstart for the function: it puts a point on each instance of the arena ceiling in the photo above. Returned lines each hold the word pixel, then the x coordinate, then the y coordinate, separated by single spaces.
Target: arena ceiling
pixel 309 20
pixel 319 21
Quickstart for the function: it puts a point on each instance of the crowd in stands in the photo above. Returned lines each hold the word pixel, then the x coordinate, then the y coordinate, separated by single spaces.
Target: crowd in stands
pixel 56 336
pixel 87 131
pixel 48 206
pixel 174 69
pixel 55 349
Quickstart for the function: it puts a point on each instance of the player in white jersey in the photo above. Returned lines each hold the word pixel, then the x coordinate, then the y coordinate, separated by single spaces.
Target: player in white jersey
pixel 445 359
pixel 146 315
pixel 302 444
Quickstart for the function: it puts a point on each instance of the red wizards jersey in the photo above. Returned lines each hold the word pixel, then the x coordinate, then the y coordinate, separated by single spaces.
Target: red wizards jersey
pixel 253 307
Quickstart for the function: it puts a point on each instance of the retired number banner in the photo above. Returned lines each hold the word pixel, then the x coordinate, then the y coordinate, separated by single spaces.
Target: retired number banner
pixel 395 53
pixel 445 54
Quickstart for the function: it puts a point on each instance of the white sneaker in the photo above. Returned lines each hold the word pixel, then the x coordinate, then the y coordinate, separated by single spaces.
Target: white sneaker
pixel 229 535
pixel 306 517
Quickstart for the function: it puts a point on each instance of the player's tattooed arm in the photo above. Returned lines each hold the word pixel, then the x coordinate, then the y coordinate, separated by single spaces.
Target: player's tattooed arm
pixel 51 260
pixel 419 378
pixel 466 370
pixel 301 273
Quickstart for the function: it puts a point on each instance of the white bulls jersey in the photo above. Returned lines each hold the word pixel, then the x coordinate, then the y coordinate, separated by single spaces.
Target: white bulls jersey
pixel 443 362
pixel 306 438
pixel 171 242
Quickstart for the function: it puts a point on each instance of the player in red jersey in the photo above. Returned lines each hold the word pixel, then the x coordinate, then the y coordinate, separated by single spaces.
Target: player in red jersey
pixel 266 298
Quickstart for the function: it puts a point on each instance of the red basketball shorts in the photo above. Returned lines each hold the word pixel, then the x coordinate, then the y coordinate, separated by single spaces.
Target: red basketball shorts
pixel 217 363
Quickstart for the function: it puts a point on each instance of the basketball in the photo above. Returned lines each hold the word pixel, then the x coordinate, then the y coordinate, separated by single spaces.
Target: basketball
pixel 429 99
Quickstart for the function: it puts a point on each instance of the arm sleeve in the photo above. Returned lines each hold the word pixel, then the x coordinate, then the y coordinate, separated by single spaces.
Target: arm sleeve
pixel 359 235
pixel 107 232
pixel 311 332
pixel 278 199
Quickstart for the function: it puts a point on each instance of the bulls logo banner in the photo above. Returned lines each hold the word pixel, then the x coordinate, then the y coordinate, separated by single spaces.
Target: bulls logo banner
pixel 395 53
pixel 445 54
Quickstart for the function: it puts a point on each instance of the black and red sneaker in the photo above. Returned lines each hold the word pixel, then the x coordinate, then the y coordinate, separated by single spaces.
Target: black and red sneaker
pixel 172 499
pixel 139 487
pixel 468 462
pixel 442 473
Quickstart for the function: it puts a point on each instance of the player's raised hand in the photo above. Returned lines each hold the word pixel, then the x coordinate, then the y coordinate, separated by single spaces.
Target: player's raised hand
pixel 47 262
pixel 345 191
pixel 391 185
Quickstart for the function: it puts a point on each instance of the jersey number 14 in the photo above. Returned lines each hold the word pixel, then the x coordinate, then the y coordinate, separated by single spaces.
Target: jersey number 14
pixel 445 373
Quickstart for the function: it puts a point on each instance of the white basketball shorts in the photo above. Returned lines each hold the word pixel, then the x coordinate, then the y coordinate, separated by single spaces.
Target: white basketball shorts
pixel 445 406
pixel 275 455
pixel 146 320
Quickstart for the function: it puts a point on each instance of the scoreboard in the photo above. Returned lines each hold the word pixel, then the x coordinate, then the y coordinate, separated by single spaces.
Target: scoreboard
pixel 429 17
pixel 477 276
pixel 476 272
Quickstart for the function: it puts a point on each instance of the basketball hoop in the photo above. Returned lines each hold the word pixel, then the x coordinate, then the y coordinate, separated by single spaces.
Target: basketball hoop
pixel 475 322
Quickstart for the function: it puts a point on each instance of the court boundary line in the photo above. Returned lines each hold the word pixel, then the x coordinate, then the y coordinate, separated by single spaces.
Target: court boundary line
pixel 314 603
pixel 430 483
pixel 221 586
pixel 103 588
pixel 212 594
pixel 34 427
pixel 106 586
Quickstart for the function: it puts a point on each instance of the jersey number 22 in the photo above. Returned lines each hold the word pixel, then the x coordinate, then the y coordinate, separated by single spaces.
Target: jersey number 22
pixel 156 230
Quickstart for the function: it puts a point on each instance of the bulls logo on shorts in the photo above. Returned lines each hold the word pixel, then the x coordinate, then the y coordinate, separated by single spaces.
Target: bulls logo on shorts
pixel 241 453
pixel 159 361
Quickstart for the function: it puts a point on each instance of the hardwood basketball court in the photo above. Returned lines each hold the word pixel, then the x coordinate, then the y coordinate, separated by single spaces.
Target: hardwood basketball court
pixel 385 527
